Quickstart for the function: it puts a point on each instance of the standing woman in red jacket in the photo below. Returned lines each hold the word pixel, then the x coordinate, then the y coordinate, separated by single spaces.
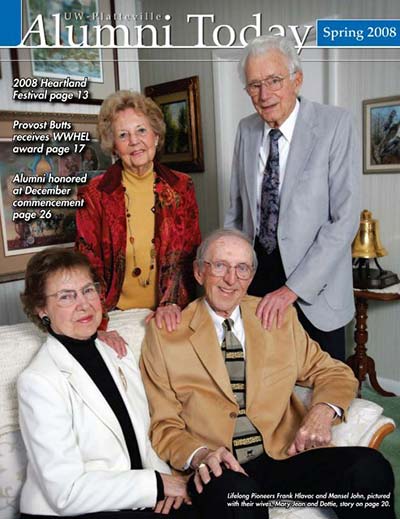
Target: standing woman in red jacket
pixel 139 224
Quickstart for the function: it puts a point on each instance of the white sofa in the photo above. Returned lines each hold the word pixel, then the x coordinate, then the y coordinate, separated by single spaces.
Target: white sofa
pixel 18 344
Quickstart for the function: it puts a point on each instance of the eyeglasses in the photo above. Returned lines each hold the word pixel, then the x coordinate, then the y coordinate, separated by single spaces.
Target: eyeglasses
pixel 220 269
pixel 69 297
pixel 273 83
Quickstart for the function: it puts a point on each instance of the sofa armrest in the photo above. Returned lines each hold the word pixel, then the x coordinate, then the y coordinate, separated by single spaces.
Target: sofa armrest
pixel 12 473
pixel 376 434
pixel 365 425
pixel 364 421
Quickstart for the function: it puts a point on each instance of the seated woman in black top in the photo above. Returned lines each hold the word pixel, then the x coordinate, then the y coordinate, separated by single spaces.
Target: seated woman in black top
pixel 83 411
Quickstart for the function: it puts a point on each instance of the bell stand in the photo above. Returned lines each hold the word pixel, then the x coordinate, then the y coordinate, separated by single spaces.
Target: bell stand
pixel 360 362
pixel 365 278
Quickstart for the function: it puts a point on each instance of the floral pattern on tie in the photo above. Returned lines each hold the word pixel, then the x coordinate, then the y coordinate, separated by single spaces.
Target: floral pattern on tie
pixel 269 210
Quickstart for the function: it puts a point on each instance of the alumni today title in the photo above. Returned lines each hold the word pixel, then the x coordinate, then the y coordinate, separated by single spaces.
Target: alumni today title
pixel 60 34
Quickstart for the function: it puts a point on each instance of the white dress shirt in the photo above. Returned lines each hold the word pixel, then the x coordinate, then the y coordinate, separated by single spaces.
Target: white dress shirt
pixel 238 328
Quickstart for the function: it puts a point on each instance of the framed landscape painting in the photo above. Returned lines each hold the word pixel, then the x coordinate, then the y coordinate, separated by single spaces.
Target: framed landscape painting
pixel 382 135
pixel 180 103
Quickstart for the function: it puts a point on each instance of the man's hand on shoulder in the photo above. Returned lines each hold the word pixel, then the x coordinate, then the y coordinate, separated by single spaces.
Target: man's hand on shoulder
pixel 315 430
pixel 272 307
pixel 207 462
pixel 168 315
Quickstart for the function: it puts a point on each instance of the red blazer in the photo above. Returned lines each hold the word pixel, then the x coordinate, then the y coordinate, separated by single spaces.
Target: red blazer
pixel 101 232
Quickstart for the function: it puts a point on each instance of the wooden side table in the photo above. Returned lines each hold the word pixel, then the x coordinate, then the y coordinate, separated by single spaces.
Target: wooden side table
pixel 360 362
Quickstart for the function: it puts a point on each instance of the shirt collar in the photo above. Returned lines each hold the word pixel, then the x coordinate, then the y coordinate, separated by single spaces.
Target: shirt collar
pixel 217 319
pixel 287 127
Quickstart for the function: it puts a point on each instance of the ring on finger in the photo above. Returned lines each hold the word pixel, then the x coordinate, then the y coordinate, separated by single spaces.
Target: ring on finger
pixel 201 466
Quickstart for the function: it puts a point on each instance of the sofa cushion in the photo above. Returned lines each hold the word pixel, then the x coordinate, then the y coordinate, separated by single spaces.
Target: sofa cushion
pixel 302 513
pixel 130 324
pixel 12 473
pixel 19 343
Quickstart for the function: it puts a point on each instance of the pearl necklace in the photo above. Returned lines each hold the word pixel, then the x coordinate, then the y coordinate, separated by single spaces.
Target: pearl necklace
pixel 137 271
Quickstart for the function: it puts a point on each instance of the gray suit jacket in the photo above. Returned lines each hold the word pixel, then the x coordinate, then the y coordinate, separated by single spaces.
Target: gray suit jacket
pixel 319 207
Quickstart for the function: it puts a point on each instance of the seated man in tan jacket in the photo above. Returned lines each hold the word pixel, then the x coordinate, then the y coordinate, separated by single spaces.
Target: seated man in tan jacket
pixel 221 398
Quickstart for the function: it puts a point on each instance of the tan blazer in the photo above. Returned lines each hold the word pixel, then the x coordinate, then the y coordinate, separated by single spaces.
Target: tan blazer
pixel 189 392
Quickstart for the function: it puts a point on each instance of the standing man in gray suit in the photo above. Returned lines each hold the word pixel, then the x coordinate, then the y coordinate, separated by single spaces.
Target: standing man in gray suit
pixel 295 190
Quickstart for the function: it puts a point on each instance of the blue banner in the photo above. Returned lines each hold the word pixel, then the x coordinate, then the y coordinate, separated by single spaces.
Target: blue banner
pixel 11 23
pixel 358 33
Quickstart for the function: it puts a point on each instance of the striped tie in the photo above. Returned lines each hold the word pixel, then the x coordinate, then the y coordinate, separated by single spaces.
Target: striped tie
pixel 247 442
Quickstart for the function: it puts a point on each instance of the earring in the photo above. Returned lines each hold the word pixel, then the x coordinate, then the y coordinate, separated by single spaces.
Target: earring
pixel 45 321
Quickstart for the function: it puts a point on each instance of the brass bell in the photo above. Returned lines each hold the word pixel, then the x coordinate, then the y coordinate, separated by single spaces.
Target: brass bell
pixel 367 245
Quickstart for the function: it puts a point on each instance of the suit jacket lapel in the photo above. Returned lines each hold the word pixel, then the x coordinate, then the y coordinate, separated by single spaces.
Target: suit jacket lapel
pixel 205 343
pixel 85 387
pixel 303 141
pixel 250 165
pixel 137 419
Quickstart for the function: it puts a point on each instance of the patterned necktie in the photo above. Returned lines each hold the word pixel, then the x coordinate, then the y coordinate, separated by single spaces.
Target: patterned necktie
pixel 269 210
pixel 247 442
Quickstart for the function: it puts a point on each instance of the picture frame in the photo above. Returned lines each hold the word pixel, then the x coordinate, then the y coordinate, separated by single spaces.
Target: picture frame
pixel 19 238
pixel 100 66
pixel 381 129
pixel 179 101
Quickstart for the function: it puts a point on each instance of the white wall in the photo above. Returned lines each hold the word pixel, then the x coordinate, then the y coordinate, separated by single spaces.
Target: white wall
pixel 357 80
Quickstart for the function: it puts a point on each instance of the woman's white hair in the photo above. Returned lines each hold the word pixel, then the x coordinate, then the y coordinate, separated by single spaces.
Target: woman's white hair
pixel 262 45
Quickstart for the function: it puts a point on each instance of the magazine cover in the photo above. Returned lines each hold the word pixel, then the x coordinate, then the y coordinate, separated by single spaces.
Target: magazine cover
pixel 129 131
